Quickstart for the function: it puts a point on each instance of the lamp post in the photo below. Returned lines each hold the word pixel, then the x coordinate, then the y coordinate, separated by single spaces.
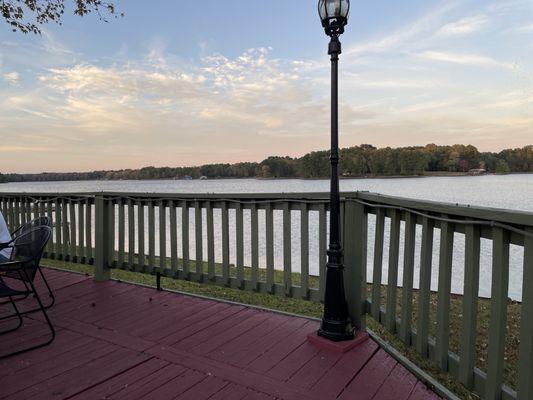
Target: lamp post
pixel 336 324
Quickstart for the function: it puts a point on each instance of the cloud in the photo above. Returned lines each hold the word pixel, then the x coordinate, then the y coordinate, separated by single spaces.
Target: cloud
pixel 405 86
pixel 467 59
pixel 464 26
pixel 524 29
pixel 12 77
pixel 408 33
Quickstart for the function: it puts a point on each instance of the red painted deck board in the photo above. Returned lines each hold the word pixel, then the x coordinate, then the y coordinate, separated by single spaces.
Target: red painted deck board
pixel 120 341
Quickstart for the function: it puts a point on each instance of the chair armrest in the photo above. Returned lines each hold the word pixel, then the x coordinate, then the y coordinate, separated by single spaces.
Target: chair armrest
pixel 16 231
pixel 5 245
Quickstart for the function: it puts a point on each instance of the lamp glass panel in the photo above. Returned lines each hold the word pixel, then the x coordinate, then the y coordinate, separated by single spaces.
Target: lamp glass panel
pixel 345 8
pixel 322 9
pixel 333 8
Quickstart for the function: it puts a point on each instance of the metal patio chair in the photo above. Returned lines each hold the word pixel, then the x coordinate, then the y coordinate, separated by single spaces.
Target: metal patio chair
pixel 28 249
pixel 41 221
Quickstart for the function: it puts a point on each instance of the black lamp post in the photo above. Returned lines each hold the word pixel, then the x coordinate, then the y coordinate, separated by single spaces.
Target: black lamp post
pixel 336 324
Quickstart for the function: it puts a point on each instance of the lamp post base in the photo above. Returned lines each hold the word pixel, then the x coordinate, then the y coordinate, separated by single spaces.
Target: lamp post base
pixel 336 331
pixel 338 347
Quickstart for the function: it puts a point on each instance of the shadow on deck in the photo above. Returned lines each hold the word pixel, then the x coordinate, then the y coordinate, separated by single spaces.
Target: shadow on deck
pixel 121 341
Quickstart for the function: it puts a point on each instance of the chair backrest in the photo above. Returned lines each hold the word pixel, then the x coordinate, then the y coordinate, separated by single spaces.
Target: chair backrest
pixel 41 221
pixel 28 248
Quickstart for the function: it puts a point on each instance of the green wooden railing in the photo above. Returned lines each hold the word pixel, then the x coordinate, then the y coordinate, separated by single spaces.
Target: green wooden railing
pixel 276 243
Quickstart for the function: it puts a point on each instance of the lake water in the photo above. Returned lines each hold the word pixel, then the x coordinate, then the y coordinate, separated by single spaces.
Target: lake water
pixel 513 192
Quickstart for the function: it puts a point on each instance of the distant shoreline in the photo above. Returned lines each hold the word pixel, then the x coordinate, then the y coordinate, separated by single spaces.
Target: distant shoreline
pixel 426 175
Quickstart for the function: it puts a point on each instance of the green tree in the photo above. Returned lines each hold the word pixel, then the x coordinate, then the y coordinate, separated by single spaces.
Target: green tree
pixel 412 161
pixel 502 167
pixel 27 16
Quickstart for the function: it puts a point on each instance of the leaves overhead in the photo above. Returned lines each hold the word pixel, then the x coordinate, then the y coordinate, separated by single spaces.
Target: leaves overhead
pixel 27 16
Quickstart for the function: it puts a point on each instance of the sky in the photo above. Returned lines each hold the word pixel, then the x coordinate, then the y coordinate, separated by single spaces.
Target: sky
pixel 177 83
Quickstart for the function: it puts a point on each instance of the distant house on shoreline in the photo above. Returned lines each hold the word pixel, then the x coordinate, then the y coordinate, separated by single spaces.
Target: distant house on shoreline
pixel 477 171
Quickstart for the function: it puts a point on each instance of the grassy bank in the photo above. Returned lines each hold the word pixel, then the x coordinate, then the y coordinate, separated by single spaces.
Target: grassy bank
pixel 311 309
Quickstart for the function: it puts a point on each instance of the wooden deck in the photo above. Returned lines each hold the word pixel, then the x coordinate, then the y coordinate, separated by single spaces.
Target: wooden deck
pixel 121 341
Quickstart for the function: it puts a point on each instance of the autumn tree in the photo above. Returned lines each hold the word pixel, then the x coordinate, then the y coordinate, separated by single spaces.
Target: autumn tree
pixel 27 16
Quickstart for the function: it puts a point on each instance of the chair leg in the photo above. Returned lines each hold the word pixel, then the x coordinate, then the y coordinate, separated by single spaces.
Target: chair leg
pixel 17 313
pixel 49 323
pixel 50 294
pixel 18 298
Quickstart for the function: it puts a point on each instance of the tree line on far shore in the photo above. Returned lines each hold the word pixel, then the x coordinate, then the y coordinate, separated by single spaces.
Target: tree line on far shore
pixel 357 161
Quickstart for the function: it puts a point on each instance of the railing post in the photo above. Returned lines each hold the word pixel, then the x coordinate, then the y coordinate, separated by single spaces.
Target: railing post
pixel 355 245
pixel 102 239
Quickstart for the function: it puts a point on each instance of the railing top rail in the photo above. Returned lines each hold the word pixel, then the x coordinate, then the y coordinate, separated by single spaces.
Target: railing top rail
pixel 206 196
pixel 523 218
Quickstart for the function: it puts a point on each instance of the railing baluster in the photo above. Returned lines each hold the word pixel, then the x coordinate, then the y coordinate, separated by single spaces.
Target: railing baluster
pixel 23 211
pixel 140 233
pixel 304 250
pixel 322 247
pixel 173 239
pixel 210 241
pixel 185 238
pixel 378 264
pixel 162 236
pixel 239 232
pixel 254 216
pixel 408 276
pixel 3 207
pixel 111 228
pixel 16 215
pixel 424 294
pixel 65 230
pixel 199 240
pixel 121 233
pixel 470 302
pixel 55 224
pixel 102 242
pixel 443 295
pixel 131 233
pixel 392 282
pixel 498 313
pixel 73 229
pixel 88 231
pixel 31 209
pixel 11 220
pixel 269 248
pixel 151 235
pixel 225 244
pixel 43 212
pixel 287 261
pixel 81 230
pixel 525 359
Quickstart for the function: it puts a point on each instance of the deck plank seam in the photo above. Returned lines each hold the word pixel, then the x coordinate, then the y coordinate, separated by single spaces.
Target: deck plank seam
pixel 384 380
pixel 358 371
pixel 238 336
pixel 108 378
pixel 85 362
pixel 205 327
pixel 233 374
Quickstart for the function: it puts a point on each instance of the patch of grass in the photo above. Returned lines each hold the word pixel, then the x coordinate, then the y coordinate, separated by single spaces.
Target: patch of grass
pixel 295 306
pixel 311 309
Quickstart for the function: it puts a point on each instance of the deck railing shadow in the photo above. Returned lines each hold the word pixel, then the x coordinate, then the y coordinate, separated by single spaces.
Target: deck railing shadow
pixel 415 267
